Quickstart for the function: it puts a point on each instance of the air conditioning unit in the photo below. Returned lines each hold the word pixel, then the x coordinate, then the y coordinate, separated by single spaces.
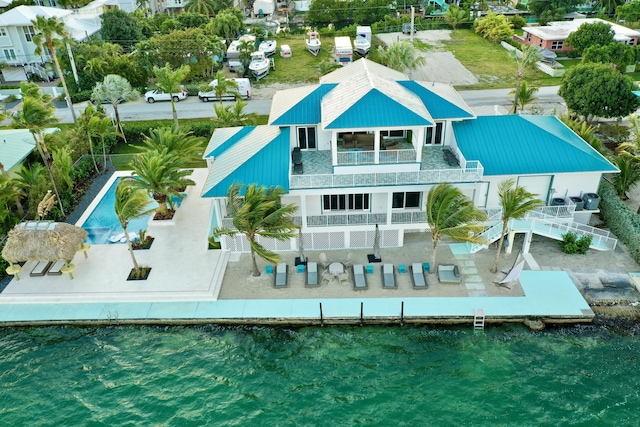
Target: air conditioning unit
pixel 578 202
pixel 557 201
pixel 591 201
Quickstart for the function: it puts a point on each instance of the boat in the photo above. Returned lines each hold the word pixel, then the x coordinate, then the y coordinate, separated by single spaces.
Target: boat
pixel 269 47
pixel 313 43
pixel 232 52
pixel 361 45
pixel 285 51
pixel 259 65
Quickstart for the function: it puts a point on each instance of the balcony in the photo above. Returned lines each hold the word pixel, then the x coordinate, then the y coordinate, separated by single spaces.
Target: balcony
pixel 318 169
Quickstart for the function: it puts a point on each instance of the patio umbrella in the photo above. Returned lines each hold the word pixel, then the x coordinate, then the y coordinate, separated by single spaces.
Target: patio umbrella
pixel 303 259
pixel 376 243
pixel 43 241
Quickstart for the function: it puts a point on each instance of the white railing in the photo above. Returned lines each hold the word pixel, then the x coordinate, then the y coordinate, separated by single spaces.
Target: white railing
pixel 386 178
pixel 550 212
pixel 600 238
pixel 37 70
pixel 417 217
pixel 346 219
pixel 369 158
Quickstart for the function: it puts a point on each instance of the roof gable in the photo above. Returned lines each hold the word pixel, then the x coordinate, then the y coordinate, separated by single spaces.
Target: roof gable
pixel 23 15
pixel 376 109
pixel 440 105
pixel 261 156
pixel 302 109
pixel 16 145
pixel 224 138
pixel 524 145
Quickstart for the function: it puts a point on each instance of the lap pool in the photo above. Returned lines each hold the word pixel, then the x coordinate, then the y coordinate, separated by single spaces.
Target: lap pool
pixel 101 223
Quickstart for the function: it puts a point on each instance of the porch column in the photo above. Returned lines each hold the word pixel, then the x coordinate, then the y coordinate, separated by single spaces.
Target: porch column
pixel 512 235
pixel 389 206
pixel 527 242
pixel 334 148
pixel 303 211
pixel 376 147
pixel 418 143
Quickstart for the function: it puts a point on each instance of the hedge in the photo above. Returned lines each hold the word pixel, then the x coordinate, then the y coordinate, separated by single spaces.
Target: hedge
pixel 624 223
pixel 136 131
pixel 83 95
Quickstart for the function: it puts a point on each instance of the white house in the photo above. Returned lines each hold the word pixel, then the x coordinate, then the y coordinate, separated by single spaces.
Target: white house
pixel 373 143
pixel 16 36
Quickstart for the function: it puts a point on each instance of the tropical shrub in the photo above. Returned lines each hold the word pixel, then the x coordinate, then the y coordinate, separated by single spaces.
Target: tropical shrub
pixel 572 244
pixel 494 28
pixel 622 222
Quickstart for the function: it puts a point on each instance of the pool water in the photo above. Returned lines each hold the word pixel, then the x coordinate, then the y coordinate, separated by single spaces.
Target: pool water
pixel 102 223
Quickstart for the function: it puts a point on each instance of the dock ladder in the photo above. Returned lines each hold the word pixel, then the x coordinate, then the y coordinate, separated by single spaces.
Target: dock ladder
pixel 478 319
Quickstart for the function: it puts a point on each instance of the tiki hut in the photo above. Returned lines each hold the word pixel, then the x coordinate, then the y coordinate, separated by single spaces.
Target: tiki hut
pixel 43 241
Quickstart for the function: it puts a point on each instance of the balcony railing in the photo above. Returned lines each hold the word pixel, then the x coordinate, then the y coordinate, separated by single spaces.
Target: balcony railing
pixel 346 219
pixel 469 174
pixel 368 157
pixel 409 217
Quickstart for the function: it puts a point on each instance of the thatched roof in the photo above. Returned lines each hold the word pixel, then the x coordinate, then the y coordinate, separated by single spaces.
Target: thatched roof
pixel 43 241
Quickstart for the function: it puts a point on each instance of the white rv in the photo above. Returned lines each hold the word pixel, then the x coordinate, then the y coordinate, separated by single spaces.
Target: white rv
pixel 343 50
pixel 244 89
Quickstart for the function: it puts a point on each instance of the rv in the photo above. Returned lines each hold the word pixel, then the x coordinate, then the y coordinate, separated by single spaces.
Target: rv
pixel 343 50
pixel 244 89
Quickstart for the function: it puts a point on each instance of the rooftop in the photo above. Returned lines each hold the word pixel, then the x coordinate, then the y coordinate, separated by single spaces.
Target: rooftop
pixel 560 30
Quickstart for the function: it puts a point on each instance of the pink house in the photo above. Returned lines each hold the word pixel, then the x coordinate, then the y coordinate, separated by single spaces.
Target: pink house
pixel 554 35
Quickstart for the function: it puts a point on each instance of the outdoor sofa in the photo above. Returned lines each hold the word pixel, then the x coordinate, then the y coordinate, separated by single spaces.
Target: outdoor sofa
pixel 449 273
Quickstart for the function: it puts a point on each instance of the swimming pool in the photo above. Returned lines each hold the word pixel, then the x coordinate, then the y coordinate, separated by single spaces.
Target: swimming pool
pixel 102 223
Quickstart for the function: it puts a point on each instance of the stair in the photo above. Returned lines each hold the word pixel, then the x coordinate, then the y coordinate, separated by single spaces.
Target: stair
pixel 478 319
pixel 443 6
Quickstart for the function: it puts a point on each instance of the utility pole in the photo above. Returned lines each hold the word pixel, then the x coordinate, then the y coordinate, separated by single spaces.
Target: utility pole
pixel 413 16
pixel 73 64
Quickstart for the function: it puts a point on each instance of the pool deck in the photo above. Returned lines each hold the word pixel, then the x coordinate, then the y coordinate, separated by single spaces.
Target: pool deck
pixel 191 284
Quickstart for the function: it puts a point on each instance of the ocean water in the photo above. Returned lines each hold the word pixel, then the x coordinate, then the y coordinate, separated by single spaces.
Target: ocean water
pixel 332 376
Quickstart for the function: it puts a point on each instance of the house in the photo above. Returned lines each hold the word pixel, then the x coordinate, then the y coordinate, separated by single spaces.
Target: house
pixel 15 146
pixel 16 37
pixel 554 35
pixel 373 144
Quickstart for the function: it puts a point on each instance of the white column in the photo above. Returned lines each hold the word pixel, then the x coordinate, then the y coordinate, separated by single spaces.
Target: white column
pixel 418 143
pixel 376 147
pixel 303 211
pixel 334 148
pixel 389 206
pixel 512 235
pixel 527 242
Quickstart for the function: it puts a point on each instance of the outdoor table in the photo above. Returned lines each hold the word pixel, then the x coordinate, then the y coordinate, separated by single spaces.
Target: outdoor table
pixel 336 268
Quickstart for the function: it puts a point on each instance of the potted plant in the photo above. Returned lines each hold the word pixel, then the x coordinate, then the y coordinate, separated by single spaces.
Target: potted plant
pixel 144 241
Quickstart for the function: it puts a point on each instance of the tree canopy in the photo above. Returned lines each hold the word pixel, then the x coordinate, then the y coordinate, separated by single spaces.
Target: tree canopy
pixel 596 34
pixel 494 28
pixel 618 55
pixel 121 28
pixel 552 10
pixel 629 12
pixel 598 90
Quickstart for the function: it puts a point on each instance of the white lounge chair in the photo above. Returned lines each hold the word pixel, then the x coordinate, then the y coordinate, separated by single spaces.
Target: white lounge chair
pixel 40 269
pixel 388 276
pixel 312 274
pixel 56 268
pixel 359 278
pixel 281 276
pixel 417 274
pixel 121 238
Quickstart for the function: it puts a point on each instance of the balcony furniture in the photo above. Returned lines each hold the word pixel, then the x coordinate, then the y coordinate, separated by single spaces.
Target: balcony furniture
pixel 450 157
pixel 364 141
pixel 296 159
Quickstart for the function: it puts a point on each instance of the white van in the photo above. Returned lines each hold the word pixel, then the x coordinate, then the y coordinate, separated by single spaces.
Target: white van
pixel 343 51
pixel 244 89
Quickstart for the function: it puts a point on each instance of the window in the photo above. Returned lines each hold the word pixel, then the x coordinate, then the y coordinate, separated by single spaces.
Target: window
pixel 307 138
pixel 406 200
pixel 29 32
pixel 434 135
pixel 557 45
pixel 3 32
pixel 540 44
pixel 631 42
pixel 392 133
pixel 9 54
pixel 343 202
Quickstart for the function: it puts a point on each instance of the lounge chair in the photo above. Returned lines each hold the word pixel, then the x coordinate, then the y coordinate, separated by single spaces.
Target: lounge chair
pixel 388 277
pixel 417 274
pixel 449 273
pixel 56 268
pixel 281 275
pixel 359 278
pixel 40 269
pixel 122 238
pixel 312 274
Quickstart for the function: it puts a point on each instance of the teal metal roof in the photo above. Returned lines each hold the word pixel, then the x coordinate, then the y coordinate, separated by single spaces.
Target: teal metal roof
pixel 224 138
pixel 524 145
pixel 376 109
pixel 439 107
pixel 16 145
pixel 307 110
pixel 261 156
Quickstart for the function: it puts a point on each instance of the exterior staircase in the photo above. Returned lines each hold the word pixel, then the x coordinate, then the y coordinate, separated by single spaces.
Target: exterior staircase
pixel 443 7
pixel 37 70
pixel 547 221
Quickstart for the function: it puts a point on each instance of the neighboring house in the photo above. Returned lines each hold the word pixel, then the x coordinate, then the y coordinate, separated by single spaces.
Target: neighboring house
pixel 16 36
pixel 373 144
pixel 15 146
pixel 554 35
pixel 172 6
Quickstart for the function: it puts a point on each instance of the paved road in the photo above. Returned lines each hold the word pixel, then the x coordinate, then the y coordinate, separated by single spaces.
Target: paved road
pixel 483 102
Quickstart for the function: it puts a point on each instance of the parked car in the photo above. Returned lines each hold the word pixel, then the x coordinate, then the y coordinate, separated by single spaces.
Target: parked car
pixel 158 95
pixel 406 28
pixel 104 101
pixel 244 89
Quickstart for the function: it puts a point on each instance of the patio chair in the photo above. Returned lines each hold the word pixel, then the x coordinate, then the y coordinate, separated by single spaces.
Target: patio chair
pixel 388 277
pixel 344 278
pixel 326 277
pixel 417 274
pixel 312 275
pixel 323 260
pixel 359 278
pixel 349 261
pixel 281 276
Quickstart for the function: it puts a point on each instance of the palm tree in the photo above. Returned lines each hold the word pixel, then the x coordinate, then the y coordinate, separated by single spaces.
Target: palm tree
pixel 525 97
pixel 450 213
pixel 516 202
pixel 131 203
pixel 47 30
pixel 85 119
pixel 17 185
pixel 455 16
pixel 115 89
pixel 159 173
pixel 400 56
pixel 203 7
pixel 181 142
pixel 259 213
pixel 10 193
pixel 36 115
pixel 101 128
pixel 224 86
pixel 170 81
pixel 234 115
pixel 586 131
pixel 524 60
pixel 629 175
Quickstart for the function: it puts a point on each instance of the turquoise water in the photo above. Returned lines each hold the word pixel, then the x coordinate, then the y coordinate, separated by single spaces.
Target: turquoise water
pixel 332 376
